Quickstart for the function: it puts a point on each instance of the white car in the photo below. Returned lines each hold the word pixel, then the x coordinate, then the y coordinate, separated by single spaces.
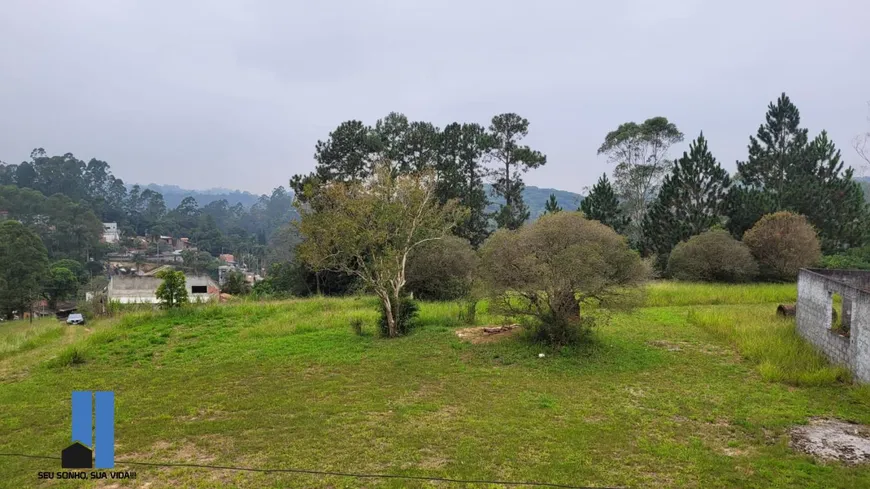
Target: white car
pixel 75 319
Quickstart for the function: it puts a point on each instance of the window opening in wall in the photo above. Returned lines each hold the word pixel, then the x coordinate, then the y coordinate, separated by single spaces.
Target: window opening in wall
pixel 839 321
pixel 198 289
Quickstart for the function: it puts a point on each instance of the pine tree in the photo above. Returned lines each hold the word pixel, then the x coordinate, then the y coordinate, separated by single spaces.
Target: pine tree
pixel 460 176
pixel 822 190
pixel 775 150
pixel 505 132
pixel 602 205
pixel 552 205
pixel 693 198
pixel 787 172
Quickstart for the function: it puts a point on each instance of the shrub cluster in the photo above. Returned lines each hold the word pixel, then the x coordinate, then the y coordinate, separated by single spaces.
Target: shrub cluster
pixel 407 314
pixel 856 259
pixel 783 243
pixel 545 270
pixel 713 256
pixel 441 269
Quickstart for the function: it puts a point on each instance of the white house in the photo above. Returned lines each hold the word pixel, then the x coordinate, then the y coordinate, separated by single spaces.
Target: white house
pixel 110 232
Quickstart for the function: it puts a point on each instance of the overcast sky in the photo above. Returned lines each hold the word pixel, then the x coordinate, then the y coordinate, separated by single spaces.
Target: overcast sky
pixel 235 94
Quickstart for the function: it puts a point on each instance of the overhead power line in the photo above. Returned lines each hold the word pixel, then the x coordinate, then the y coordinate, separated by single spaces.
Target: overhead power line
pixel 358 475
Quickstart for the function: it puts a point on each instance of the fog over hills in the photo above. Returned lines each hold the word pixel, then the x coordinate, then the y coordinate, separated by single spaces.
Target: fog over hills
pixel 535 197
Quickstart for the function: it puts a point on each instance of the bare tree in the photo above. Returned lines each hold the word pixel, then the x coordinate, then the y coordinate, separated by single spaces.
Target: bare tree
pixel 368 229
pixel 861 143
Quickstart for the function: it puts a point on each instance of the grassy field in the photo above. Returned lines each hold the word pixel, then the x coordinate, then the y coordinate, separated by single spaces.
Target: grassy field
pixel 696 389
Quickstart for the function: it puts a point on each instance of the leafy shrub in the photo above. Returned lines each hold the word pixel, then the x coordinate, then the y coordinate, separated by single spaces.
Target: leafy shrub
pixel 72 356
pixel 172 292
pixel 283 279
pixel 294 279
pixel 712 256
pixel 408 310
pixel 236 284
pixel 441 269
pixel 356 325
pixel 468 311
pixel 547 269
pixel 783 243
pixel 855 258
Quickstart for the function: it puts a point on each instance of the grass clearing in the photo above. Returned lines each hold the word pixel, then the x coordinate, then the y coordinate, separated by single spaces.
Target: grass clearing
pixel 19 336
pixel 771 342
pixel 666 396
pixel 672 293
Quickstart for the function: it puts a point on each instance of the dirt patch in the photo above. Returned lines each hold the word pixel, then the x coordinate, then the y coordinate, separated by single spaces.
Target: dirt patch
pixel 487 334
pixel 687 346
pixel 204 414
pixel 667 345
pixel 829 439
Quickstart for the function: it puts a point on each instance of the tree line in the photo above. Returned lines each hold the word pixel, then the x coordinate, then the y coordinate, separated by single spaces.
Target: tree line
pixel 60 202
pixel 398 206
pixel 659 203
pixel 462 155
pixel 72 197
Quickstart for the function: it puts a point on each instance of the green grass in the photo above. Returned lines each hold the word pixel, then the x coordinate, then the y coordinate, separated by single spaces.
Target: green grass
pixel 21 336
pixel 690 294
pixel 770 342
pixel 699 392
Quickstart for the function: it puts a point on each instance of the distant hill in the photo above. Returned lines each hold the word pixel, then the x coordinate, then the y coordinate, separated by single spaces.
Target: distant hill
pixel 865 183
pixel 536 198
pixel 173 195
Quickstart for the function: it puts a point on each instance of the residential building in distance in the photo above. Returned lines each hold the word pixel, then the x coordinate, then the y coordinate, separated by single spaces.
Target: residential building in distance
pixel 110 232
pixel 182 244
pixel 143 290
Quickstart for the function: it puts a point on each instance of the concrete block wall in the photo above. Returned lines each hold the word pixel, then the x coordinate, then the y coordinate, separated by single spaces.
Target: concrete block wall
pixel 815 303
pixel 861 338
pixel 129 290
pixel 858 279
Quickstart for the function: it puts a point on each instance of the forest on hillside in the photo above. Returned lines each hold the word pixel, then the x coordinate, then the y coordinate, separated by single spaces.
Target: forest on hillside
pixel 67 199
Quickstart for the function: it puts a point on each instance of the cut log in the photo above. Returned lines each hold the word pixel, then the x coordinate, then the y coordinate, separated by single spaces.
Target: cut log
pixel 500 329
pixel 786 310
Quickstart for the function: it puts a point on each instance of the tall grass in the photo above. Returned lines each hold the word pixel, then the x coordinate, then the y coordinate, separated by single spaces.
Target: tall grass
pixel 771 343
pixel 664 294
pixel 20 336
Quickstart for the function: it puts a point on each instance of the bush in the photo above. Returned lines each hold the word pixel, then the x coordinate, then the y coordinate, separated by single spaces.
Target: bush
pixel 235 283
pixel 172 292
pixel 713 256
pixel 783 243
pixel 356 325
pixel 856 259
pixel 468 311
pixel 441 269
pixel 547 269
pixel 408 310
pixel 71 357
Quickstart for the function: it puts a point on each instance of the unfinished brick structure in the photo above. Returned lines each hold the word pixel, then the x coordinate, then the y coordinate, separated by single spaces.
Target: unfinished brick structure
pixel 816 291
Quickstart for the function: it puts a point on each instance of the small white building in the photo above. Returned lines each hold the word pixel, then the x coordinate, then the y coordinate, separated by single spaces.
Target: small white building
pixel 143 290
pixel 110 232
